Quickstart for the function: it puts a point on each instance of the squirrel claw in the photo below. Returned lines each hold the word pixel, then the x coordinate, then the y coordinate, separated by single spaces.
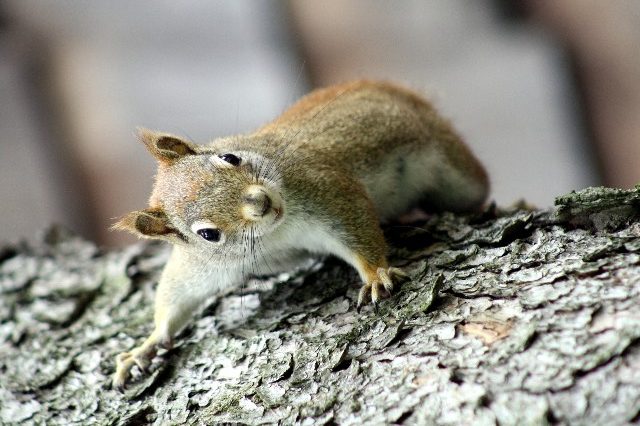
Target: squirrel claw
pixel 118 385
pixel 381 286
pixel 126 360
pixel 365 293
pixel 120 378
pixel 398 274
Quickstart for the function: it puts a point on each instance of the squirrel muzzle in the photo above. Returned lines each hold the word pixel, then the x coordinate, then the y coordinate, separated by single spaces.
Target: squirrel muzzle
pixel 256 203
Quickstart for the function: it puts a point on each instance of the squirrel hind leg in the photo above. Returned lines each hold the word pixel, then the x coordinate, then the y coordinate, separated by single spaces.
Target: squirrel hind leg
pixel 456 199
pixel 441 184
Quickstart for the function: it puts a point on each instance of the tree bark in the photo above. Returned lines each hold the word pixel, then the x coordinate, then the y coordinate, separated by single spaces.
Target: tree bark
pixel 513 316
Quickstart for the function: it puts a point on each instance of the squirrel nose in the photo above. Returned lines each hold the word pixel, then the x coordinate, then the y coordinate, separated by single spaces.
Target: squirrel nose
pixel 259 201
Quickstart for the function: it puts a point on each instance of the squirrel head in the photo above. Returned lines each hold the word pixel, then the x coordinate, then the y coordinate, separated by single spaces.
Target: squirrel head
pixel 218 201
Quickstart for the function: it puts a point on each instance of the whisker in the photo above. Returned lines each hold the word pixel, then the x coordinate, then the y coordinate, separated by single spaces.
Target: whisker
pixel 265 254
pixel 254 251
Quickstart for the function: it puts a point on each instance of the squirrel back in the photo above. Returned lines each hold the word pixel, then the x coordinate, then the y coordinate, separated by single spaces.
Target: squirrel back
pixel 388 137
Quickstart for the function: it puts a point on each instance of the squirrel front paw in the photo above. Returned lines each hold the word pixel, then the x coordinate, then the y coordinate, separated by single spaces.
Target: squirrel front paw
pixel 140 356
pixel 380 284
pixel 125 362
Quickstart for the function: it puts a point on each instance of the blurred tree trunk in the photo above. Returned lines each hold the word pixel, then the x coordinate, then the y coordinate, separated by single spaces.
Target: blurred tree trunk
pixel 516 317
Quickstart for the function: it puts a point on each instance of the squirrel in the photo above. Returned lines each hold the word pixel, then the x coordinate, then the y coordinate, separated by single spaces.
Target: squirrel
pixel 320 178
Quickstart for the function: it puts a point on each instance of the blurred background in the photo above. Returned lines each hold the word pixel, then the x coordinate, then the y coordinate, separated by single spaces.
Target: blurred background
pixel 546 92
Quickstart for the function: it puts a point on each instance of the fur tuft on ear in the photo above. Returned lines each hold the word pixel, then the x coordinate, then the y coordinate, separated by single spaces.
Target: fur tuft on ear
pixel 149 223
pixel 164 147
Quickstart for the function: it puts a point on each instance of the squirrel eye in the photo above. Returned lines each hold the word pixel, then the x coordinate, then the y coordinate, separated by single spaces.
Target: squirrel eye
pixel 231 159
pixel 209 234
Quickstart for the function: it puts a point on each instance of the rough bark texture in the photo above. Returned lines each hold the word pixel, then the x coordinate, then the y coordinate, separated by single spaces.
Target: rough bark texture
pixel 514 317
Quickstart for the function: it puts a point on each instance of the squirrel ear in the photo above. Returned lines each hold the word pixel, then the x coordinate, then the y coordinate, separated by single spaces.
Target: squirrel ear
pixel 149 223
pixel 164 147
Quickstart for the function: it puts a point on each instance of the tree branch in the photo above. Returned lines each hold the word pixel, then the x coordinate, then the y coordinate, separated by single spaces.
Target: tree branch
pixel 513 317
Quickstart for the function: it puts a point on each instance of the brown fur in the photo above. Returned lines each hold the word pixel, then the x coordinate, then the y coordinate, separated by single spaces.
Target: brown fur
pixel 311 114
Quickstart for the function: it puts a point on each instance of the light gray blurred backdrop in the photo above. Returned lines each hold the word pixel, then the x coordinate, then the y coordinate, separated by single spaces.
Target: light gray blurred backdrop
pixel 77 78
pixel 83 75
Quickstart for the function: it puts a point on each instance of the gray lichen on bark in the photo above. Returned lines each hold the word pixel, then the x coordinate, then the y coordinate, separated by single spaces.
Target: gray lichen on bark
pixel 514 317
